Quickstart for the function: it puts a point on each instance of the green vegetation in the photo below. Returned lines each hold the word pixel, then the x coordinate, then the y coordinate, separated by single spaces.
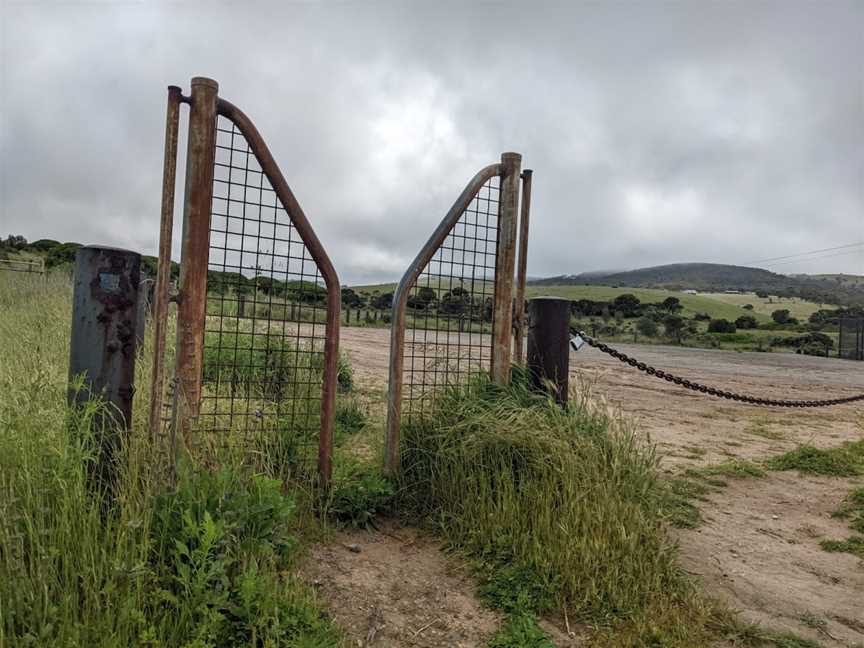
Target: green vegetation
pixel 528 491
pixel 852 510
pixel 844 461
pixel 205 562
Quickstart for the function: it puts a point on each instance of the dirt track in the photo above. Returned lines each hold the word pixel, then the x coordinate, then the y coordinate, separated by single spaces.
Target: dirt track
pixel 759 549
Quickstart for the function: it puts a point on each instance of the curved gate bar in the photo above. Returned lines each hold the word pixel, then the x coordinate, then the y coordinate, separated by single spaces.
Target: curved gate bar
pixel 319 255
pixel 400 303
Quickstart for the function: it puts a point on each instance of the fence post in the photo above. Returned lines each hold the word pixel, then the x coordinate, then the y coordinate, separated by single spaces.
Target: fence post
pixel 504 266
pixel 103 343
pixel 549 345
pixel 522 268
pixel 191 310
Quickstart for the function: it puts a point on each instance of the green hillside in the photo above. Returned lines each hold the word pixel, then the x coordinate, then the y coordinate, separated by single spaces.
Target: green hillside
pixel 692 303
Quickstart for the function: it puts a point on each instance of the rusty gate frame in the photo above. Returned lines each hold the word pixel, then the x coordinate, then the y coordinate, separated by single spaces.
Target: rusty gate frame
pixel 205 108
pixel 508 170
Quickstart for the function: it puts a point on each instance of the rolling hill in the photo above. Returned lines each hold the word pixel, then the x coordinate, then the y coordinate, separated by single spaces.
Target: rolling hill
pixel 715 277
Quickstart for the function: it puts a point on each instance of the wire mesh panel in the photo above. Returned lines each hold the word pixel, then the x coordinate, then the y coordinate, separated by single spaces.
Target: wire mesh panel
pixel 264 336
pixel 852 339
pixel 449 320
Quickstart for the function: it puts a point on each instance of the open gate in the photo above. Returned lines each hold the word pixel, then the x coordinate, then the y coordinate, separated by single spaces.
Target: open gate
pixel 453 311
pixel 258 300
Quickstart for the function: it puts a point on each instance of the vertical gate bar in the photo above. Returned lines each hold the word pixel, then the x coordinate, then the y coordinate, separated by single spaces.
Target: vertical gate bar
pixel 191 309
pixel 163 270
pixel 502 321
pixel 522 267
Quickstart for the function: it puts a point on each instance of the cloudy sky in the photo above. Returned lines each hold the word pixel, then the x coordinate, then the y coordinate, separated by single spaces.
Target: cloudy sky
pixel 728 132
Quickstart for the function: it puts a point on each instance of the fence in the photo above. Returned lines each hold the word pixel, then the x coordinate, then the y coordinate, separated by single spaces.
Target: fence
pixel 258 303
pixel 23 265
pixel 851 346
pixel 453 308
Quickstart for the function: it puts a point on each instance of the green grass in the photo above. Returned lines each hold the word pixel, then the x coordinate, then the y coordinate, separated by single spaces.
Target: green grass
pixel 851 510
pixel 798 308
pixel 692 303
pixel 843 461
pixel 205 562
pixel 568 503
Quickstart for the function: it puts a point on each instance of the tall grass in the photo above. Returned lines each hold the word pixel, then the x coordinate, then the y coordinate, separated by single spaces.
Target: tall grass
pixel 204 564
pixel 564 505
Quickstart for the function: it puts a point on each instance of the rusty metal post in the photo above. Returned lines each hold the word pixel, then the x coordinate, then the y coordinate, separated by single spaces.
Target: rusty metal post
pixel 504 267
pixel 522 268
pixel 549 345
pixel 102 346
pixel 194 254
pixel 163 269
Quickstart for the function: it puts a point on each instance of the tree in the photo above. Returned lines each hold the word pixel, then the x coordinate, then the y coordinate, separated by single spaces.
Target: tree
pixel 383 301
pixel 747 307
pixel 746 322
pixel 628 305
pixel 455 302
pixel 427 296
pixel 350 298
pixel 671 304
pixel 647 326
pixel 781 316
pixel 674 326
pixel 721 326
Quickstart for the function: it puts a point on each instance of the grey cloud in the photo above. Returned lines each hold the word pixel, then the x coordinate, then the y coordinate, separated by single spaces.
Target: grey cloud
pixel 658 132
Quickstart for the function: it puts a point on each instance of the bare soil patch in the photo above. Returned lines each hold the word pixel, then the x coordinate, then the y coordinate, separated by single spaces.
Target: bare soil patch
pixel 759 551
pixel 395 587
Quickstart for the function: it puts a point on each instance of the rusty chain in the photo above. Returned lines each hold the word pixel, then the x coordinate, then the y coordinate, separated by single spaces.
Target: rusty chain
pixel 698 387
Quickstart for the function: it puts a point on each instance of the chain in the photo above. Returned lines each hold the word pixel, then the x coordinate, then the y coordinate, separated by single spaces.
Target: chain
pixel 704 389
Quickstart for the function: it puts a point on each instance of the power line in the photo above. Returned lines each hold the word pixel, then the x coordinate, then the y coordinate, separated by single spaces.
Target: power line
pixel 816 258
pixel 801 254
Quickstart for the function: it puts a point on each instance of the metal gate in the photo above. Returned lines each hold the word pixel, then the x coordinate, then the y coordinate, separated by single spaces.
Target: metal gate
pixel 851 345
pixel 453 308
pixel 258 301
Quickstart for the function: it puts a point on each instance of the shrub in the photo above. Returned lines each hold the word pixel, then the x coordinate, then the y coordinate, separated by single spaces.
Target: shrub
pixel 746 322
pixel 721 326
pixel 647 326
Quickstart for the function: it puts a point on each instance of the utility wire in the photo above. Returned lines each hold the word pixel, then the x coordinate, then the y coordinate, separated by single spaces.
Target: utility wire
pixel 801 254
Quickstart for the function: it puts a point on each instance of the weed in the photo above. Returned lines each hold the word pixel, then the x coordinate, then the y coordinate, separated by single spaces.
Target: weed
pixel 350 417
pixel 570 495
pixel 853 545
pixel 521 631
pixel 344 374
pixel 843 461
pixel 359 496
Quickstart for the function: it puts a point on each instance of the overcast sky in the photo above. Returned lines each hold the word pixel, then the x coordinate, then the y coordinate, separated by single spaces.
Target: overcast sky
pixel 726 132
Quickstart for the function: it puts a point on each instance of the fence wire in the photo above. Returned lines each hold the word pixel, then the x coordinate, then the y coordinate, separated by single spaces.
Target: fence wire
pixel 450 307
pixel 266 309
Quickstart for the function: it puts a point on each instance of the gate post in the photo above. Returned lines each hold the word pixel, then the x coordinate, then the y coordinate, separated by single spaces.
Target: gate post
pixel 522 269
pixel 504 266
pixel 102 345
pixel 549 345
pixel 191 310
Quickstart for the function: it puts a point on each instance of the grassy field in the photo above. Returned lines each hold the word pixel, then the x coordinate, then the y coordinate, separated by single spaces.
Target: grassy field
pixel 800 308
